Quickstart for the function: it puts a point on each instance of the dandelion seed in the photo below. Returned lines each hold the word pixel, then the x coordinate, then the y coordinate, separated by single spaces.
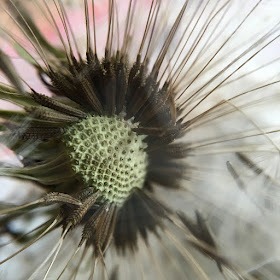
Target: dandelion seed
pixel 149 141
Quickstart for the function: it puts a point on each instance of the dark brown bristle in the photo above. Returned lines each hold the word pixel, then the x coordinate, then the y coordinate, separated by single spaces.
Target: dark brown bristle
pixel 56 105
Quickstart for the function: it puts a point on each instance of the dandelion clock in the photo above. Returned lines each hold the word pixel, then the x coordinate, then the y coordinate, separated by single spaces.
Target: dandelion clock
pixel 139 139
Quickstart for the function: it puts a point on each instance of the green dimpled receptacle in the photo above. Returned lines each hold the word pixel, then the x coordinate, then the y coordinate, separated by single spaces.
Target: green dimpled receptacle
pixel 107 155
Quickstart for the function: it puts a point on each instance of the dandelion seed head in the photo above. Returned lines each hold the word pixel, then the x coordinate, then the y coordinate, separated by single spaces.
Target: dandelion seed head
pixel 149 134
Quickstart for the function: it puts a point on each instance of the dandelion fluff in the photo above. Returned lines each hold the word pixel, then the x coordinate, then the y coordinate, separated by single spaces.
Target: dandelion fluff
pixel 144 142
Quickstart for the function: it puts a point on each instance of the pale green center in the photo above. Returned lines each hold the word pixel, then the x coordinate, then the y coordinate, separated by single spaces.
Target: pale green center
pixel 107 155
